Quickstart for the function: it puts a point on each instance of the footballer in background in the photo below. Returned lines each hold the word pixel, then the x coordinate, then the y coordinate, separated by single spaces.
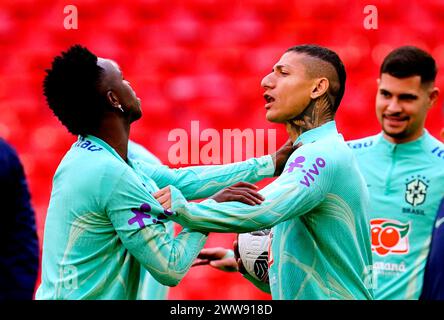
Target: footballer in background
pixel 404 172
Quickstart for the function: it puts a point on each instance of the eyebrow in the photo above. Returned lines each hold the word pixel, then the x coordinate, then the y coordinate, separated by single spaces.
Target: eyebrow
pixel 279 67
pixel 410 96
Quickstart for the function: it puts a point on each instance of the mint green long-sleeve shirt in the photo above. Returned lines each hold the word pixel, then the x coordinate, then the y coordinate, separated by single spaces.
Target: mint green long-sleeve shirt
pixel 149 288
pixel 103 226
pixel 317 208
pixel 406 185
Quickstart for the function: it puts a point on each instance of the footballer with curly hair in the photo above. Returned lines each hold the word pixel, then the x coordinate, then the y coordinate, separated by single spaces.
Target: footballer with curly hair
pixel 103 226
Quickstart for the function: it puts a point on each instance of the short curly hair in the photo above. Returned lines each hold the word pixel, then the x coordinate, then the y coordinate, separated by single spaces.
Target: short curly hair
pixel 71 90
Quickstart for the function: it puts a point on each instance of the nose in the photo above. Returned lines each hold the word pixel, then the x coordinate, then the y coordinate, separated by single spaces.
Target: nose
pixel 394 106
pixel 268 81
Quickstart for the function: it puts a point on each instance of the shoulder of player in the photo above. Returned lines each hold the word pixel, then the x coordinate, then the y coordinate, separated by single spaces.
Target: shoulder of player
pixel 362 145
pixel 331 149
pixel 92 161
pixel 434 149
pixel 87 145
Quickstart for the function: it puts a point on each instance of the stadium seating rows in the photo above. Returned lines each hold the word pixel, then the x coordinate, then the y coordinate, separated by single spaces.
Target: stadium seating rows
pixel 195 60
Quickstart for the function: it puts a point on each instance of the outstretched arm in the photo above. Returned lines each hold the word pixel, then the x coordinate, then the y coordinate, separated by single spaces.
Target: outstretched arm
pixel 139 222
pixel 299 189
pixel 203 181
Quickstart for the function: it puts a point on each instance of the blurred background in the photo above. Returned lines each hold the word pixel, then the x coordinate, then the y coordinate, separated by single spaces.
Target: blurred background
pixel 197 60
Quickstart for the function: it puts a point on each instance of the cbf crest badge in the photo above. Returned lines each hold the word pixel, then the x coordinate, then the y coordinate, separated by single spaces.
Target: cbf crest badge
pixel 416 190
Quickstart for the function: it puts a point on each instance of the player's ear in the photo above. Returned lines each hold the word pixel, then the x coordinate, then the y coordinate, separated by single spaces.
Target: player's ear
pixel 320 87
pixel 434 93
pixel 111 97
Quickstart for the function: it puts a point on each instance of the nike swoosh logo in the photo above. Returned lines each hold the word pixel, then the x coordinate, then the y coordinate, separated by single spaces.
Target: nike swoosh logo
pixel 439 222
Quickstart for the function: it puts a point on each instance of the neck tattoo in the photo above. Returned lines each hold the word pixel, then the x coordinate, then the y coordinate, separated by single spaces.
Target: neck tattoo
pixel 317 113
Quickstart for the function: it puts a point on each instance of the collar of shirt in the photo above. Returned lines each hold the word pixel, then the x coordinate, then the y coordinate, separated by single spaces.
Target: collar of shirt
pixel 312 135
pixel 411 146
pixel 107 147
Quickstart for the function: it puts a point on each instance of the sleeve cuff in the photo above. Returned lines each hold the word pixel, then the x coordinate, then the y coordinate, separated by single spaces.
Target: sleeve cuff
pixel 267 167
pixel 178 201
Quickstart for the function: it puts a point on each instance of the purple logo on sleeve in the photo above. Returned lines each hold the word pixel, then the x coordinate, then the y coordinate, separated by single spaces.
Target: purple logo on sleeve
pixel 312 172
pixel 140 215
pixel 297 163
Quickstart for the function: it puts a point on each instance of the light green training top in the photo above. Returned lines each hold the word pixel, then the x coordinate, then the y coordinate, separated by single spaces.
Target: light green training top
pixel 320 240
pixel 406 185
pixel 103 225
pixel 149 288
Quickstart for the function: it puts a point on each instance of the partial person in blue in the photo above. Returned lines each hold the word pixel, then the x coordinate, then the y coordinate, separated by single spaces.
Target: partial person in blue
pixel 19 250
pixel 433 286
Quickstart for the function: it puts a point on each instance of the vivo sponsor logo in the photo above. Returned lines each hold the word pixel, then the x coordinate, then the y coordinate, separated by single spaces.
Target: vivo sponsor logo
pixel 312 172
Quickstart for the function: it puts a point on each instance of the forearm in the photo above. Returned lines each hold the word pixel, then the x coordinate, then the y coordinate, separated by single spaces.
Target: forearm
pixel 168 259
pixel 281 203
pixel 209 217
pixel 203 181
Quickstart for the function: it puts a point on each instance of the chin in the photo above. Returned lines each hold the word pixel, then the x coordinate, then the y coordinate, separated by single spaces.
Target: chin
pixel 273 118
pixel 136 116
pixel 397 134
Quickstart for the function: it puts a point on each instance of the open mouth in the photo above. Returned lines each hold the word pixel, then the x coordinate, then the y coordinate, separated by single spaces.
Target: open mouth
pixel 268 98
